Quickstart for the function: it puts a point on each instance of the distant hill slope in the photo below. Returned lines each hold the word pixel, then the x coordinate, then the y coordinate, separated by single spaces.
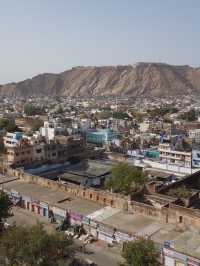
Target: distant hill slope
pixel 142 79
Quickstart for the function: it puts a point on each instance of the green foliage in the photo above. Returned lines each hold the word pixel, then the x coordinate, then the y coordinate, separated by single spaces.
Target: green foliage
pixel 8 125
pixel 120 115
pixel 140 253
pixel 34 246
pixel 126 179
pixel 167 120
pixel 37 124
pixel 60 110
pixel 138 116
pixel 180 192
pixel 5 206
pixel 2 148
pixel 30 110
pixel 162 111
pixel 189 116
pixel 103 115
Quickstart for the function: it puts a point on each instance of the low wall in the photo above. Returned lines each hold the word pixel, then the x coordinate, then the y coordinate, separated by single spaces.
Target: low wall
pixel 144 209
pixel 170 213
pixel 105 198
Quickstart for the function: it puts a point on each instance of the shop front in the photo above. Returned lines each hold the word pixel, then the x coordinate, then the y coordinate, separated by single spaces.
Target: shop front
pixel 174 258
pixel 38 207
pixel 58 214
pixel 75 218
pixel 16 198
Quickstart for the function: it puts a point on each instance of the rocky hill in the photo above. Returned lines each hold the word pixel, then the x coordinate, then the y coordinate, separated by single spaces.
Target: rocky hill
pixel 142 79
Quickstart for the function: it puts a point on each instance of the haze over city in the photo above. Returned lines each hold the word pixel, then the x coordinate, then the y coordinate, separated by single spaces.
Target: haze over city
pixel 50 36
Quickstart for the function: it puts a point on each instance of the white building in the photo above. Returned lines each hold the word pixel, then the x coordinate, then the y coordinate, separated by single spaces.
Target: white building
pixel 194 134
pixel 51 129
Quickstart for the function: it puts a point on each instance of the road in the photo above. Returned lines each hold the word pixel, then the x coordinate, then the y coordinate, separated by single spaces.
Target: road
pixel 97 252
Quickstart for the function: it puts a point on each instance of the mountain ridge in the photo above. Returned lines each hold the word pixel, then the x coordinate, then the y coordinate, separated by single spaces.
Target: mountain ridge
pixel 140 79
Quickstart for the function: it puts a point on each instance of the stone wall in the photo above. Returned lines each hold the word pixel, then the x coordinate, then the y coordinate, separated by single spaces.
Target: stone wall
pixel 172 214
pixel 144 209
pixel 104 198
pixel 169 213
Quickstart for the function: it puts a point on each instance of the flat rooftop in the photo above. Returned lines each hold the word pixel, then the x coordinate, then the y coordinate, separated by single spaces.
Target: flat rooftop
pixel 188 243
pixel 87 168
pixel 133 223
pixel 90 168
pixel 185 241
pixel 53 197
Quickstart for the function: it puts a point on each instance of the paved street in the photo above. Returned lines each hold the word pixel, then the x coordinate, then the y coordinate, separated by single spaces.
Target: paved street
pixel 98 252
pixel 101 254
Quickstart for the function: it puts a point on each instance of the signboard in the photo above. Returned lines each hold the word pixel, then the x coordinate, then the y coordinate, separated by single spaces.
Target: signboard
pixel 14 193
pixel 44 205
pixel 193 262
pixel 180 256
pixel 124 237
pixel 35 202
pixel 168 252
pixel 105 237
pixel 174 254
pixel 76 217
pixel 169 261
pixel 86 220
pixel 59 212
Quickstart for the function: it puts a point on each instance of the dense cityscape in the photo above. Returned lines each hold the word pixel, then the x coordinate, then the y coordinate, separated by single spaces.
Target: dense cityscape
pixel 105 171
pixel 99 133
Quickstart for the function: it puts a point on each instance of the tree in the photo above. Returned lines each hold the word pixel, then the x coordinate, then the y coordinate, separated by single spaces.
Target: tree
pixel 34 246
pixel 126 179
pixel 180 192
pixel 60 110
pixel 162 111
pixel 140 253
pixel 30 110
pixel 120 115
pixel 37 124
pixel 8 125
pixel 189 116
pixel 138 116
pixel 5 207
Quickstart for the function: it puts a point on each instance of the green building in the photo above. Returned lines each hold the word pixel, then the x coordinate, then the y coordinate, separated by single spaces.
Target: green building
pixel 100 137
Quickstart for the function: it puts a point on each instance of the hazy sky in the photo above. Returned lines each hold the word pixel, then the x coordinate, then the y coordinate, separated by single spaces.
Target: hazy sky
pixel 39 36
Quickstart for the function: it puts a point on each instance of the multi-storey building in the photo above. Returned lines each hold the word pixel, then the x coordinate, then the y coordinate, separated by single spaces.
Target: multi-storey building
pixel 51 129
pixel 169 155
pixel 21 150
pixel 194 134
pixel 101 137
